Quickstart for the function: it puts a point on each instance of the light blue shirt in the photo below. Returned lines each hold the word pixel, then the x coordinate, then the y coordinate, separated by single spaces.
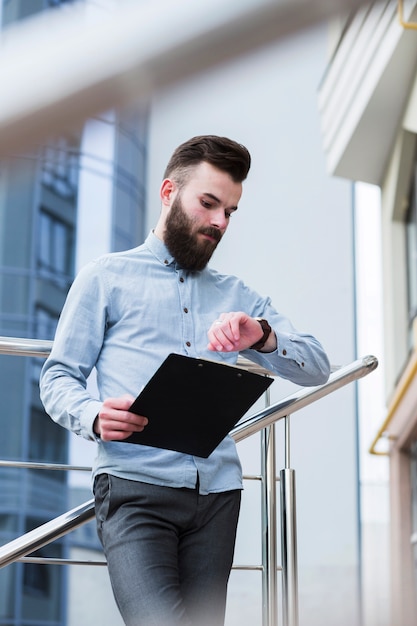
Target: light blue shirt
pixel 124 313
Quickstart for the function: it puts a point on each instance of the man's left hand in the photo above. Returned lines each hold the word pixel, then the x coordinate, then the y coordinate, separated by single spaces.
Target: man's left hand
pixel 236 331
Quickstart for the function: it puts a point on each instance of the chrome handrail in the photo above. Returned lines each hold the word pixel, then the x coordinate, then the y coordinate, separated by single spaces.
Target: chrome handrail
pixel 52 530
pixel 46 533
pixel 45 466
pixel 19 346
pixel 264 420
pixel 303 397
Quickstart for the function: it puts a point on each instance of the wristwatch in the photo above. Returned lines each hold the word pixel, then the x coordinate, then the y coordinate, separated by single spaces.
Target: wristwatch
pixel 267 331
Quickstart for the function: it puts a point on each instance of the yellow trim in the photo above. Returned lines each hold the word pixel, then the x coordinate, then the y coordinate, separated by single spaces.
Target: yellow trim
pixel 409 25
pixel 399 394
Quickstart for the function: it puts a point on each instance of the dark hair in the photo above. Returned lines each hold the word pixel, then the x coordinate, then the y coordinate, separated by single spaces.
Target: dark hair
pixel 221 152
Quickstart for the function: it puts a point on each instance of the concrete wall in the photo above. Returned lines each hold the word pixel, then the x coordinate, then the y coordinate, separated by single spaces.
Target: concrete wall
pixel 292 238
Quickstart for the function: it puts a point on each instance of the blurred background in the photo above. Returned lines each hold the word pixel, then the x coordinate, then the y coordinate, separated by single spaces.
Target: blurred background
pixel 95 96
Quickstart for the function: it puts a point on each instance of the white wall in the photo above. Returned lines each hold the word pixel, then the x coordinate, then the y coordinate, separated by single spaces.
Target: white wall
pixel 291 239
pixel 94 229
pixel 90 598
pixel 374 469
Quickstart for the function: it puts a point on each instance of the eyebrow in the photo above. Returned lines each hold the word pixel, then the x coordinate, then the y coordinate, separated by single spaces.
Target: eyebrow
pixel 213 197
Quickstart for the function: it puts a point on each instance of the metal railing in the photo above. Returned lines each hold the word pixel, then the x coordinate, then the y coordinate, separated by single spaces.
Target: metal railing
pixel 264 421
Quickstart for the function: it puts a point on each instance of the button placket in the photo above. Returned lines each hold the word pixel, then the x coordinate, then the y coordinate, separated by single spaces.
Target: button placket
pixel 187 323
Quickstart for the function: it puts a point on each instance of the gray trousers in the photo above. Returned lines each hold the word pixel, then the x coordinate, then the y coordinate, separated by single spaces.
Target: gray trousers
pixel 169 550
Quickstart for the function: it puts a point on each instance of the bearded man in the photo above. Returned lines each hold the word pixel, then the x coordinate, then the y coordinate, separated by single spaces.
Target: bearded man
pixel 167 520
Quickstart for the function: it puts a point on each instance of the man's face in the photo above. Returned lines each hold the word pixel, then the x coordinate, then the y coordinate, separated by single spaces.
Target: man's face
pixel 199 216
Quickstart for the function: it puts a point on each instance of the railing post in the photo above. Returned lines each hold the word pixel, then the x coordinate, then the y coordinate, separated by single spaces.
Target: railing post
pixel 289 538
pixel 269 526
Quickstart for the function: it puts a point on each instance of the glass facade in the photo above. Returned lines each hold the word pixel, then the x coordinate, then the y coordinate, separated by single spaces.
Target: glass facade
pixel 36 269
pixel 39 219
pixel 129 190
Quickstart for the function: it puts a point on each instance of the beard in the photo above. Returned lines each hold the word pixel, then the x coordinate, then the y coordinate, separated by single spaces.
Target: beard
pixel 181 239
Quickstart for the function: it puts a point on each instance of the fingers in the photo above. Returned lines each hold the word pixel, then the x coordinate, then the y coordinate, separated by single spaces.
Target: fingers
pixel 234 331
pixel 115 422
pixel 224 334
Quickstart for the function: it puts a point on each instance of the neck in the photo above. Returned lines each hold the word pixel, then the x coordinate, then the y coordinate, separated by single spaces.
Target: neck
pixel 159 231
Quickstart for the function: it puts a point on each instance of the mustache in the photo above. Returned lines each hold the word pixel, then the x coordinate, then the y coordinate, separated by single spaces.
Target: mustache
pixel 211 232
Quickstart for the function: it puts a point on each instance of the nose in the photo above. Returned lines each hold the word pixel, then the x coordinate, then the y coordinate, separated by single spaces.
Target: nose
pixel 218 219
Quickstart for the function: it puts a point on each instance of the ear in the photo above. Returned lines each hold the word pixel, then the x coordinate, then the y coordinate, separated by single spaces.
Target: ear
pixel 168 188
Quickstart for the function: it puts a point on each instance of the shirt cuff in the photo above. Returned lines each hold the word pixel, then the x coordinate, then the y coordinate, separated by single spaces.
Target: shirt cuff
pixel 87 420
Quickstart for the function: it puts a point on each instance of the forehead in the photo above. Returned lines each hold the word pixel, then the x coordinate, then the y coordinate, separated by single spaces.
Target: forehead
pixel 205 178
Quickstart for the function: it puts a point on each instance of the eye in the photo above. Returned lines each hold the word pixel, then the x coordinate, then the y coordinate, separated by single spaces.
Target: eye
pixel 228 214
pixel 205 204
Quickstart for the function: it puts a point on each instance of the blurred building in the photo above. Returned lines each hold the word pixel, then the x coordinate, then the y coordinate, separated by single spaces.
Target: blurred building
pixel 292 238
pixel 79 193
pixel 368 103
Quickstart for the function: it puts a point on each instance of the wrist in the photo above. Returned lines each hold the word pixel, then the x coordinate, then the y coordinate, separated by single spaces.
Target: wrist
pixel 267 330
pixel 96 426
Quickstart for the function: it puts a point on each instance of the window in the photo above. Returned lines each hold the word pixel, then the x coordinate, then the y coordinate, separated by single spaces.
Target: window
pixel 56 244
pixel 60 166
pixel 36 579
pixel 42 584
pixel 45 323
pixel 411 251
pixel 48 441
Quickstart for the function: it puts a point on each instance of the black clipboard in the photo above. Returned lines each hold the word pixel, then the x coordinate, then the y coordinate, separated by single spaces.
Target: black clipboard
pixel 193 403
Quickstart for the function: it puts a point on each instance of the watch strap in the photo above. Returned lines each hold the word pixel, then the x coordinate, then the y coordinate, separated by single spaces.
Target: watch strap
pixel 266 330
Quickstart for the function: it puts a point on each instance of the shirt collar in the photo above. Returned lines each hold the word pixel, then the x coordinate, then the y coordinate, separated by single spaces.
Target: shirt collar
pixel 159 249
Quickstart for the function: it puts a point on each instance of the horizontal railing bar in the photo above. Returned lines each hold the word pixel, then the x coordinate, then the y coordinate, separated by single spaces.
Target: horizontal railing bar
pixel 45 466
pixel 18 346
pixel 46 560
pixel 303 397
pixel 79 468
pixel 63 524
pixel 253 567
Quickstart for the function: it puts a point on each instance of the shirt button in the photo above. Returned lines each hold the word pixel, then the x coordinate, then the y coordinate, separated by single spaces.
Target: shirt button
pixel 188 343
pixel 185 310
pixel 302 364
pixel 166 261
pixel 181 279
pixel 284 352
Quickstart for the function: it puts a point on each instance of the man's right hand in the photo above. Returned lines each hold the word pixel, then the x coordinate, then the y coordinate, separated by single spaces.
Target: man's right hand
pixel 114 421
